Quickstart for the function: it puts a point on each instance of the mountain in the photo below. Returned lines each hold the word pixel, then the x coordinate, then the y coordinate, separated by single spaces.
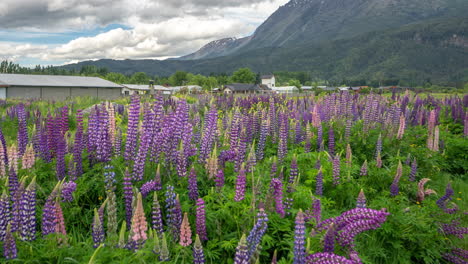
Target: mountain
pixel 216 48
pixel 315 21
pixel 433 50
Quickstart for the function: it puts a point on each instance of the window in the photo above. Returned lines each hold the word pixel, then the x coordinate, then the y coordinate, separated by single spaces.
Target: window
pixel 127 92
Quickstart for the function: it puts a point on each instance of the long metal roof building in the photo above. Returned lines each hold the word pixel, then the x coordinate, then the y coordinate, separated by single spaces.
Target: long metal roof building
pixel 56 87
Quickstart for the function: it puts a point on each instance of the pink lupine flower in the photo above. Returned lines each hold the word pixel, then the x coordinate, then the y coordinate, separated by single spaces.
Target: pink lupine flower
pixel 139 224
pixel 422 193
pixel 185 232
pixel 401 128
pixel 28 159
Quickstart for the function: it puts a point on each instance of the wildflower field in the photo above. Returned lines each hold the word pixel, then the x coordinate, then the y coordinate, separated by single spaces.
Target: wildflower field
pixel 336 178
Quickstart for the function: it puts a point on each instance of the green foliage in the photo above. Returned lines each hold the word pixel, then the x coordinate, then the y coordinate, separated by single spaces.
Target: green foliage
pixel 243 75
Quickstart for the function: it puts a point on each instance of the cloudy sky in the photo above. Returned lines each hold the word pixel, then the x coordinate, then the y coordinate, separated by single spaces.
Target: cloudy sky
pixel 62 31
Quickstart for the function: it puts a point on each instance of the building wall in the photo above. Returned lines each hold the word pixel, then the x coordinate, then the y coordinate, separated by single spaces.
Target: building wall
pixel 23 92
pixel 108 93
pixel 269 82
pixel 3 93
pixel 75 92
pixel 61 93
pixel 56 93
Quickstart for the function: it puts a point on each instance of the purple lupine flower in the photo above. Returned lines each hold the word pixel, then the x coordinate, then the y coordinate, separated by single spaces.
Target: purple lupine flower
pixel 140 160
pixel 109 178
pixel 3 149
pixel 394 189
pixel 283 138
pixel 262 140
pixel 414 168
pixel 181 162
pixel 454 228
pixel 327 258
pixel 329 239
pixel 192 185
pixel 9 246
pixel 17 209
pixel 456 256
pixel 299 239
pixel 97 230
pixel 60 165
pixel 257 232
pixel 364 171
pixel 22 130
pixel 219 179
pixel 319 183
pixel 318 164
pixel 148 187
pixel 78 146
pixel 209 132
pixel 13 184
pixel 28 206
pixel 49 213
pixel 128 196
pixel 331 141
pixel 174 212
pixel 67 191
pixel 241 182
pixel 361 200
pixel 336 170
pixel 350 223
pixel 277 188
pixel 242 256
pixel 198 255
pixel 241 150
pixel 177 223
pixel 4 214
pixel 298 132
pixel 132 129
pixel 442 202
pixel 156 216
pixel 274 168
pixel 201 220
pixel 293 173
pixel 316 211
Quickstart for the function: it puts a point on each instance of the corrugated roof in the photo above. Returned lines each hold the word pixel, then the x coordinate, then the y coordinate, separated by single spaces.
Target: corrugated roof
pixel 242 87
pixel 55 81
pixel 137 86
pixel 145 87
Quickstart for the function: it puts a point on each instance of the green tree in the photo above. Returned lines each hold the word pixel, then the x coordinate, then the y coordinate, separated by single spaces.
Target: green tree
pixel 179 78
pixel 139 78
pixel 243 75
pixel 116 77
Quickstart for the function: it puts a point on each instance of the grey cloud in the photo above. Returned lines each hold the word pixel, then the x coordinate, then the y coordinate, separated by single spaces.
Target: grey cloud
pixel 73 14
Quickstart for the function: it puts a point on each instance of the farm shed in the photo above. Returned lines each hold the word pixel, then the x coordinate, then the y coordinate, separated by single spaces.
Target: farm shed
pixel 245 88
pixel 56 87
pixel 286 89
pixel 129 89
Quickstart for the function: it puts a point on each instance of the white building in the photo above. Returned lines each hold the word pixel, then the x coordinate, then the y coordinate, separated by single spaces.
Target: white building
pixel 129 89
pixel 285 89
pixel 269 80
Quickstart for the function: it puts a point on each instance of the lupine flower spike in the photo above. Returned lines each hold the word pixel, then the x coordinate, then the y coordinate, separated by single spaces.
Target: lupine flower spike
pixel 198 255
pixel 185 232
pixel 422 193
pixel 361 200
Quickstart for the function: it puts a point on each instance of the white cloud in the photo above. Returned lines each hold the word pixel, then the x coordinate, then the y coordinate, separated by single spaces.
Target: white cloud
pixel 158 29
